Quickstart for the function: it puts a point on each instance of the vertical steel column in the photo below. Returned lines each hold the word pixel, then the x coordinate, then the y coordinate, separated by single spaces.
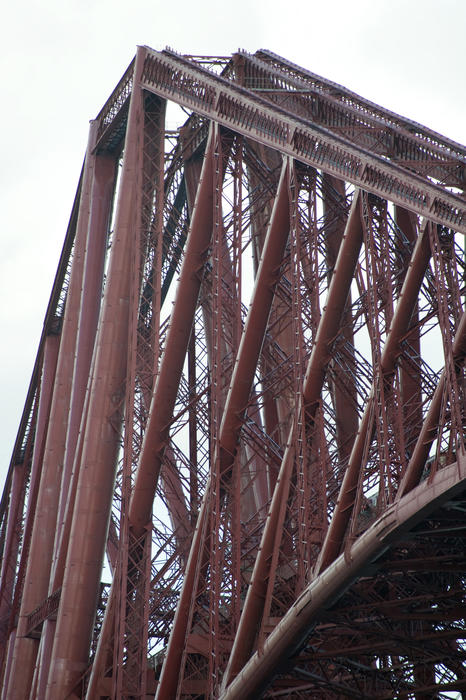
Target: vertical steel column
pixel 10 554
pixel 411 385
pixel 166 387
pixel 98 463
pixel 345 399
pixel 256 322
pixel 99 205
pixel 217 400
pixel 14 532
pixel 49 364
pixel 193 477
pixel 260 189
pixel 41 551
pixel 199 236
pixel 121 659
pixel 134 571
pixel 47 382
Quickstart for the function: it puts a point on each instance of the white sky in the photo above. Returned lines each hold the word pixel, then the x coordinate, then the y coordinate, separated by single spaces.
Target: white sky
pixel 60 59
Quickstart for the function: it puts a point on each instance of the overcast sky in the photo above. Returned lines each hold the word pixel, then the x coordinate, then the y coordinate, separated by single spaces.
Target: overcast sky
pixel 60 59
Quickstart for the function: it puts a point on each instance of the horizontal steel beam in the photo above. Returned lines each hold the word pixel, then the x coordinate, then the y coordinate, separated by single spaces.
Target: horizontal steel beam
pixel 47 610
pixel 354 102
pixel 414 148
pixel 244 112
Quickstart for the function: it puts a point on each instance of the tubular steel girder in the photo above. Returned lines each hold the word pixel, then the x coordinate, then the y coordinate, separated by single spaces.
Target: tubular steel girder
pixel 240 470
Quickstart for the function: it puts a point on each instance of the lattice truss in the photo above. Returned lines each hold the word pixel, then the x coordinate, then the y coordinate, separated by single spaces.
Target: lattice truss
pixel 247 411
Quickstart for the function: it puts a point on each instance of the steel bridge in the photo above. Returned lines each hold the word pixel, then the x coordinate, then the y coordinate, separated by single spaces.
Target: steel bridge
pixel 241 470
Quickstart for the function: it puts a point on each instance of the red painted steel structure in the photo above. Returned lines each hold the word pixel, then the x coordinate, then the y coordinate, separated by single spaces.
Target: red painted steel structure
pixel 246 413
